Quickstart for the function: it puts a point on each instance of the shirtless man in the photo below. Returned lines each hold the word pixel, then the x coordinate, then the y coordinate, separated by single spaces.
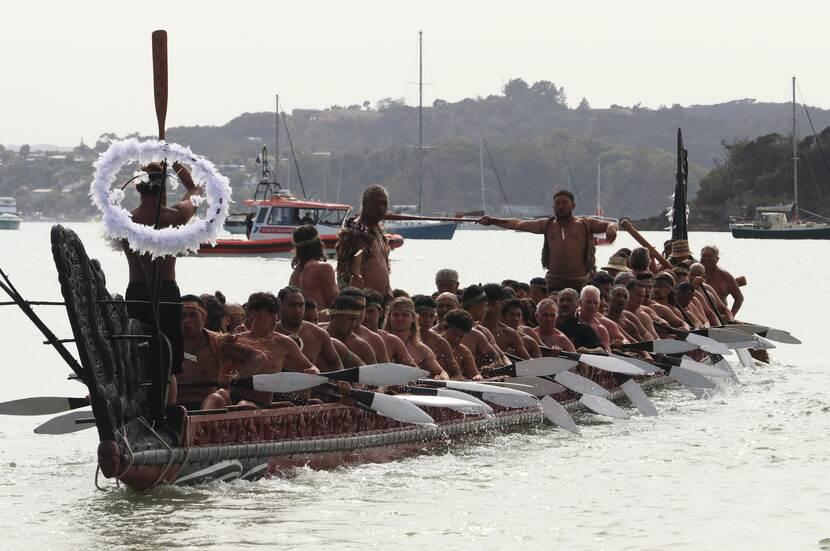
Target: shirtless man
pixel 513 317
pixel 402 322
pixel 279 349
pixel 550 336
pixel 636 297
pixel 507 338
pixel 457 324
pixel 589 299
pixel 395 348
pixel 365 234
pixel 144 270
pixel 721 281
pixel 345 312
pixel 446 281
pixel 444 303
pixel 315 343
pixel 375 341
pixel 480 341
pixel 618 300
pixel 203 378
pixel 425 309
pixel 708 296
pixel 538 289
pixel 661 303
pixel 312 275
pixel 683 295
pixel 568 241
pixel 311 314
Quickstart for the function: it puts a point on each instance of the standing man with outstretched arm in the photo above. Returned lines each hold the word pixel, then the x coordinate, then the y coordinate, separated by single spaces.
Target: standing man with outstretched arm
pixel 568 252
pixel 362 247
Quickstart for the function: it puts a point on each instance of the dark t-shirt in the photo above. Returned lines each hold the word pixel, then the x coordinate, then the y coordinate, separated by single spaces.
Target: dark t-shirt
pixel 580 334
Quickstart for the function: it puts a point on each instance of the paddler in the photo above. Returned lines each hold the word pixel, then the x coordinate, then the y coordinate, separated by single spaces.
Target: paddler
pixel 707 294
pixel 721 281
pixel 583 336
pixel 375 341
pixel 568 253
pixel 364 237
pixel 373 319
pixel 315 343
pixel 456 325
pixel 550 336
pixel 203 376
pixel 506 337
pixel 425 308
pixel 446 281
pixel 403 323
pixel 512 315
pixel 143 270
pixel 345 313
pixel 312 275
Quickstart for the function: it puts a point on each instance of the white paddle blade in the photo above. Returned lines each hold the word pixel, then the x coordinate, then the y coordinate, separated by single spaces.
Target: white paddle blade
pixel 64 424
pixel 746 358
pixel 708 345
pixel 511 401
pixel 611 364
pixel 461 406
pixel 540 367
pixel 580 384
pixel 703 369
pixel 389 374
pixel 532 385
pixel 286 381
pixel 672 346
pixel 41 405
pixel 558 415
pixel 399 410
pixel 721 363
pixel 647 368
pixel 457 394
pixel 779 335
pixel 690 378
pixel 476 387
pixel 638 397
pixel 602 406
pixel 763 344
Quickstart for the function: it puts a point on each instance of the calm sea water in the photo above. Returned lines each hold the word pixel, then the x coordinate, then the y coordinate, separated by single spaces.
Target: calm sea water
pixel 747 469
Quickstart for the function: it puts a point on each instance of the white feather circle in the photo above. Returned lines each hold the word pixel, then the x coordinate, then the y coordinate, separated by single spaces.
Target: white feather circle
pixel 118 223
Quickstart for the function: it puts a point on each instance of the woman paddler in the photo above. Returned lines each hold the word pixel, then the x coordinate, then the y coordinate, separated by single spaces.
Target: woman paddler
pixel 312 275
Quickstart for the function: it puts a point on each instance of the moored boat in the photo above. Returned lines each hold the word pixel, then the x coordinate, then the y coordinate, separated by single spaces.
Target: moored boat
pixel 9 217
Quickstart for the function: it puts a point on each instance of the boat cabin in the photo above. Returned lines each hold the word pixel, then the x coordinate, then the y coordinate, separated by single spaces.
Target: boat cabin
pixel 281 213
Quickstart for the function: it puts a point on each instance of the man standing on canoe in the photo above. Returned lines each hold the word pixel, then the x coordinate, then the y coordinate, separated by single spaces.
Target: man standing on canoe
pixel 568 252
pixel 362 247
pixel 145 272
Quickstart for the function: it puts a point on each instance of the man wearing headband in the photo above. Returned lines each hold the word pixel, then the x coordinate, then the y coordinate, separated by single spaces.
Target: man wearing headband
pixel 568 253
pixel 366 236
pixel 312 274
pixel 203 381
pixel 507 339
pixel 281 351
pixel 402 322
pixel 425 309
pixel 485 351
pixel 375 341
pixel 374 318
pixel 538 289
pixel 456 325
pixel 345 313
pixel 143 270
pixel 314 341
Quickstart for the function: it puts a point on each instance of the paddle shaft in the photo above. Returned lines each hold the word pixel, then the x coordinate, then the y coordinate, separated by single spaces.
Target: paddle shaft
pixel 390 216
pixel 629 227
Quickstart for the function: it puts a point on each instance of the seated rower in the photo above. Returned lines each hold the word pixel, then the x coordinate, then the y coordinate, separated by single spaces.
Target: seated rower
pixel 425 309
pixel 631 326
pixel 206 354
pixel 446 281
pixel 373 319
pixel 583 336
pixel 513 317
pixel 457 324
pixel 402 322
pixel 375 341
pixel 236 317
pixel 636 297
pixel 314 342
pixel 708 297
pixel 550 336
pixel 312 314
pixel 589 314
pixel 312 275
pixel 538 290
pixel 279 349
pixel 345 312
pixel 683 295
pixel 507 338
pixel 662 301
pixel 720 280
pixel 443 304
pixel 480 341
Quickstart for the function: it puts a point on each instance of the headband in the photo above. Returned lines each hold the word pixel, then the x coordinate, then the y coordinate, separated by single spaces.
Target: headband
pixel 306 242
pixel 355 313
pixel 194 306
pixel 475 300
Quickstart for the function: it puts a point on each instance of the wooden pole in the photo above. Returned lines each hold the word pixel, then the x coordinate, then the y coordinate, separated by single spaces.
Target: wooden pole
pixel 629 227
pixel 391 216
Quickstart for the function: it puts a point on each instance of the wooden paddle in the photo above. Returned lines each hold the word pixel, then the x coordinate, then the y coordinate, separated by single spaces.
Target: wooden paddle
pixel 159 39
pixel 626 224
pixel 391 216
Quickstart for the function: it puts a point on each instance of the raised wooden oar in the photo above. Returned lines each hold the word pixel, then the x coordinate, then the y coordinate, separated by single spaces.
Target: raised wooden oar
pixel 159 40
pixel 632 231
pixel 392 216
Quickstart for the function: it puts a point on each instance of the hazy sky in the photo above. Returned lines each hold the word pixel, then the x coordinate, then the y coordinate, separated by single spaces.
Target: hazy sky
pixel 72 70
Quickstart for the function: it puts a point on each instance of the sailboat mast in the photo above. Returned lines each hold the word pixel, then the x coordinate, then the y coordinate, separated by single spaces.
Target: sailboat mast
pixel 420 117
pixel 277 140
pixel 599 178
pixel 795 163
pixel 481 169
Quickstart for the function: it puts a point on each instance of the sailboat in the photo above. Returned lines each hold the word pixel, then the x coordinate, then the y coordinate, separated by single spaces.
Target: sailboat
pixel 419 229
pixel 599 213
pixel 772 223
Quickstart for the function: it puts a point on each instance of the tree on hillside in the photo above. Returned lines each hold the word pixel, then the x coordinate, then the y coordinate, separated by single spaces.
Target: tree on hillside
pixel 24 150
pixel 583 105
pixel 516 88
